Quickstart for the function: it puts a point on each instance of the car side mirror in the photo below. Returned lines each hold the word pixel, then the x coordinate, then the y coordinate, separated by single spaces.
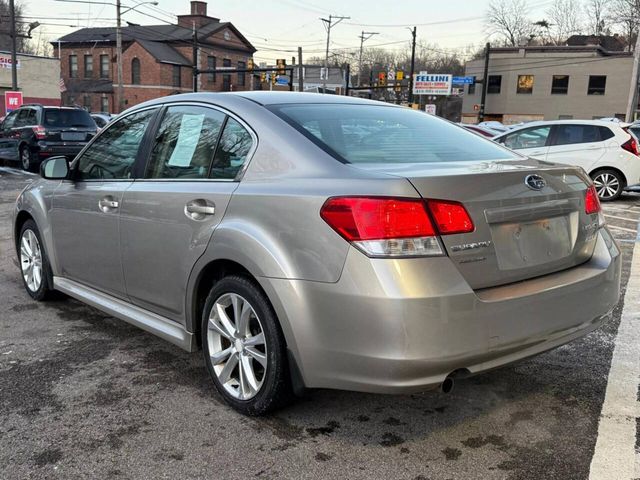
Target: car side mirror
pixel 55 168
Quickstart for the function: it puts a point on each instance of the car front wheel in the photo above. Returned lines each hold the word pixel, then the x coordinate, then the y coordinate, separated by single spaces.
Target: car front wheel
pixel 34 264
pixel 609 184
pixel 244 348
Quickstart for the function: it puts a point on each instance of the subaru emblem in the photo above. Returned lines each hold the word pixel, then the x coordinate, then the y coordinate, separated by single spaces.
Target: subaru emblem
pixel 535 182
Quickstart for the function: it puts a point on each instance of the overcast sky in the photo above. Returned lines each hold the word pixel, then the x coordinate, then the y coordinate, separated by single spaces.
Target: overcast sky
pixel 277 25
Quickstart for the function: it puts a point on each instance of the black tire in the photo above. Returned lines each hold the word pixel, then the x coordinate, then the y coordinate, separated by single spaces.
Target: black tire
pixel 609 184
pixel 275 390
pixel 26 159
pixel 45 288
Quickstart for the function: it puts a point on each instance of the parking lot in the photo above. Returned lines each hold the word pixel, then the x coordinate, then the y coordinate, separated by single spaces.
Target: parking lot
pixel 83 395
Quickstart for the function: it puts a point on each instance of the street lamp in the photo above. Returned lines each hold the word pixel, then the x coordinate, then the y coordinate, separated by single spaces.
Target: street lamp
pixel 119 89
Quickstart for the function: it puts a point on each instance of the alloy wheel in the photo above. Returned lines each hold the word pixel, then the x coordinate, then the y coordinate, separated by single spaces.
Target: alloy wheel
pixel 31 260
pixel 25 158
pixel 237 347
pixel 607 185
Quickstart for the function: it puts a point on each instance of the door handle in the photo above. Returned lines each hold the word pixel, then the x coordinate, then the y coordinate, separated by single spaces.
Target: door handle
pixel 107 204
pixel 199 209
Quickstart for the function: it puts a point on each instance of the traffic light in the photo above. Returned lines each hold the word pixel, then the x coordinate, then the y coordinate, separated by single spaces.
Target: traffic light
pixel 274 78
pixel 250 64
pixel 281 63
pixel 263 77
pixel 382 79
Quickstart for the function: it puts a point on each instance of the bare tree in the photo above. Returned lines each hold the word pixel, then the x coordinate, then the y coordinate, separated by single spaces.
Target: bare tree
pixel 626 14
pixel 5 24
pixel 509 20
pixel 564 20
pixel 597 15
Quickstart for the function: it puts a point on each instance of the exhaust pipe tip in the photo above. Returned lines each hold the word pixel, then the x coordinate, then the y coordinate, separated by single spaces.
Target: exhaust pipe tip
pixel 447 385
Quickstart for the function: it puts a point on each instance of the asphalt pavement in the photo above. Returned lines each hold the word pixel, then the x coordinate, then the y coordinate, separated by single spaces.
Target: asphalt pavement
pixel 83 395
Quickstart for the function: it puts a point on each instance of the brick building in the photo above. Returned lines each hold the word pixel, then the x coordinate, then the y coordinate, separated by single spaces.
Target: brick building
pixel 157 60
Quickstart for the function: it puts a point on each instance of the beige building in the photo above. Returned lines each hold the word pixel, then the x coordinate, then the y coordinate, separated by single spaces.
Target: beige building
pixel 550 83
pixel 38 79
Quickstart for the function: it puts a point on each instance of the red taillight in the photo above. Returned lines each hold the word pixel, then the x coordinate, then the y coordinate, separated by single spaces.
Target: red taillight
pixel 631 145
pixel 591 201
pixel 377 218
pixel 395 227
pixel 40 132
pixel 450 217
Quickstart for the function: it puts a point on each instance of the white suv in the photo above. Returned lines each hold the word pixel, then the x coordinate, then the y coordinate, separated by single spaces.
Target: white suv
pixel 605 150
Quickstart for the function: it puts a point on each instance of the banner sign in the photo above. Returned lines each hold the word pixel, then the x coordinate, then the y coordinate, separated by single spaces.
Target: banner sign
pixel 12 101
pixel 5 62
pixel 433 84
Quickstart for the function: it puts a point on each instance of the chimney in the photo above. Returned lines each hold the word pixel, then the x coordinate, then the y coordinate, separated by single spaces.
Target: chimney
pixel 197 17
pixel 198 8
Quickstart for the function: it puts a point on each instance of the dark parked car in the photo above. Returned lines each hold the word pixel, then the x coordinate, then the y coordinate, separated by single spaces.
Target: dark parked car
pixel 33 133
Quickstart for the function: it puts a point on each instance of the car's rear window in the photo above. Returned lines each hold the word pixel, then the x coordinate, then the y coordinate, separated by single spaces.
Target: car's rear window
pixel 384 134
pixel 68 118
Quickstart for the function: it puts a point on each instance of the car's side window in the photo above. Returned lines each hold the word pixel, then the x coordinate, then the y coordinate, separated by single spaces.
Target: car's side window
pixel 112 154
pixel 233 149
pixel 185 142
pixel 21 118
pixel 529 138
pixel 10 121
pixel 573 134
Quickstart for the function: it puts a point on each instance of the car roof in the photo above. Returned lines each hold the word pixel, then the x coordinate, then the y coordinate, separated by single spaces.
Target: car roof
pixel 542 123
pixel 261 98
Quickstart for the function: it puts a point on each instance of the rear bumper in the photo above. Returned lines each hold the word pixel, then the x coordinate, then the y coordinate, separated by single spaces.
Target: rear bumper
pixel 46 150
pixel 395 326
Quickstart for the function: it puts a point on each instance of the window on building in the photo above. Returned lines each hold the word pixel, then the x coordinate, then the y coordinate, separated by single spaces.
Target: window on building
pixel 597 84
pixel 525 84
pixel 104 104
pixel 560 85
pixel 104 66
pixel 88 66
pixel 73 66
pixel 86 102
pixel 211 65
pixel 494 83
pixel 471 89
pixel 177 76
pixel 135 71
pixel 565 117
pixel 241 75
pixel 226 78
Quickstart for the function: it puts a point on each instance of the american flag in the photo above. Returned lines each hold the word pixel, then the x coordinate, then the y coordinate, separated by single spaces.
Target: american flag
pixel 62 86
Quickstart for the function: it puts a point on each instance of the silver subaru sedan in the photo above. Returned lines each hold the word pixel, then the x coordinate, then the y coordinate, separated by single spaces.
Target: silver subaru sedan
pixel 317 241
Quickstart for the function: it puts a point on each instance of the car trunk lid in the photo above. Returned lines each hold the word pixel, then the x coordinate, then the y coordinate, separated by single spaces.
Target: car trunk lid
pixel 520 231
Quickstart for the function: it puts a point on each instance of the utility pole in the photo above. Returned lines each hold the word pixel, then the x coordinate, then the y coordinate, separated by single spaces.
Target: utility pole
pixel 119 90
pixel 347 79
pixel 363 38
pixel 331 22
pixel 300 71
pixel 195 59
pixel 413 63
pixel 633 89
pixel 14 61
pixel 485 81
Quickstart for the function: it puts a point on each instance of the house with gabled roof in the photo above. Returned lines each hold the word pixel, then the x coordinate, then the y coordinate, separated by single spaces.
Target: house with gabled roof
pixel 157 60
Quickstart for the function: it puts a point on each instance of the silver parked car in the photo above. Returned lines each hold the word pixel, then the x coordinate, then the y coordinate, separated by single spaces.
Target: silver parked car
pixel 308 240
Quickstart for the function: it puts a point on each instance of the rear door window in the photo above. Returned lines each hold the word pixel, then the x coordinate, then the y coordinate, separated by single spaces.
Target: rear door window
pixel 185 142
pixel 574 134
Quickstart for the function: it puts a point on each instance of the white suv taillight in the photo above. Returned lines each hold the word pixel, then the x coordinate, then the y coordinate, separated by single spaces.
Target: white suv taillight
pixel 394 227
